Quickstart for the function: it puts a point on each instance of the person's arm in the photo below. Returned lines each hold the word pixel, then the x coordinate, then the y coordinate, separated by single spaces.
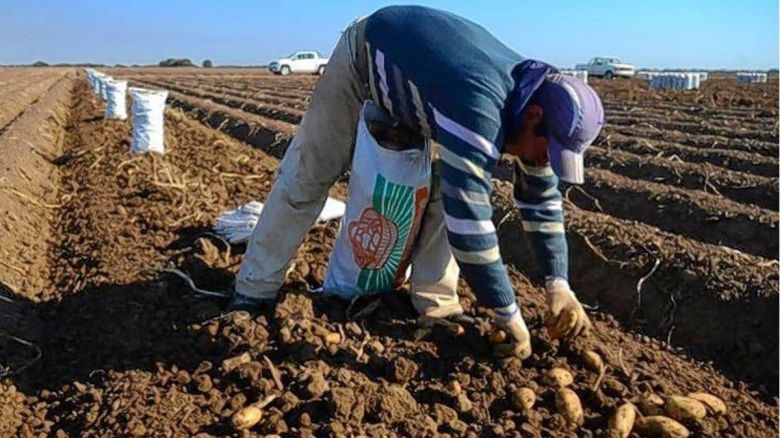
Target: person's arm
pixel 537 196
pixel 466 163
pixel 541 211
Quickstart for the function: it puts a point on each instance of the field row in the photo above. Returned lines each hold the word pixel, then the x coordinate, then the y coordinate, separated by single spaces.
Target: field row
pixel 19 91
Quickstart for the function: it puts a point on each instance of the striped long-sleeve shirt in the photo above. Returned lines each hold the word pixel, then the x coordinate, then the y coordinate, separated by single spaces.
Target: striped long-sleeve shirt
pixel 453 81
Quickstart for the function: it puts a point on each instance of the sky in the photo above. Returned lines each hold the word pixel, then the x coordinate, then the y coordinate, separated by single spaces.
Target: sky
pixel 713 34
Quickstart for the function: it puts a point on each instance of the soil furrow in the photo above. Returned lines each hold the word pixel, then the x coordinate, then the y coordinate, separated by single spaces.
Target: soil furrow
pixel 693 213
pixel 284 114
pixel 265 97
pixel 700 141
pixel 740 187
pixel 699 110
pixel 28 146
pixel 723 133
pixel 722 120
pixel 14 106
pixel 741 161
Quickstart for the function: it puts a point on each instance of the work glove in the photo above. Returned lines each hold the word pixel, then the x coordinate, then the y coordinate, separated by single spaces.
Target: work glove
pixel 511 321
pixel 565 316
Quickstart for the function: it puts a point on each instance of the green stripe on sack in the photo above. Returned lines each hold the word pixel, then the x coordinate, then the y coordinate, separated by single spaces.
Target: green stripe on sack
pixel 396 203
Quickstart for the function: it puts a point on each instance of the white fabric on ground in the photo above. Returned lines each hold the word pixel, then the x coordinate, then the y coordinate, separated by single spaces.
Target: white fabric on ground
pixel 237 225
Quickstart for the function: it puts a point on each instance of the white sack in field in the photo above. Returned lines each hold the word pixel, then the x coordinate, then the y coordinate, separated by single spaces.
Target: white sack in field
pixel 148 111
pixel 104 86
pixel 116 107
pixel 237 225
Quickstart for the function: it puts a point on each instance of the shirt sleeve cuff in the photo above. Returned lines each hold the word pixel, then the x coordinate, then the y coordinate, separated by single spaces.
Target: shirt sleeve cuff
pixel 557 269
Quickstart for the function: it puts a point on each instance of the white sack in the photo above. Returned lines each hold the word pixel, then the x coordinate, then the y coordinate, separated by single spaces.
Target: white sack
pixel 237 225
pixel 148 111
pixel 104 86
pixel 676 81
pixel 388 193
pixel 95 85
pixel 116 107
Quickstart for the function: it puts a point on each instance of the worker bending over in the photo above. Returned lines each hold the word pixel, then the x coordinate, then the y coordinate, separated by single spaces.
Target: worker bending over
pixel 453 82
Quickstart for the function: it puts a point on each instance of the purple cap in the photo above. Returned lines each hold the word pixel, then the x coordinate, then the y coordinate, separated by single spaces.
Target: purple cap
pixel 574 116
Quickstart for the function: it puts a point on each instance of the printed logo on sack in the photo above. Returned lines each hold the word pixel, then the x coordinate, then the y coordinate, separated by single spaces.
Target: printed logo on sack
pixel 380 236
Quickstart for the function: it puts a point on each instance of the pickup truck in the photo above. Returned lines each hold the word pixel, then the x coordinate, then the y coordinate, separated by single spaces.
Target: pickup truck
pixel 607 67
pixel 299 62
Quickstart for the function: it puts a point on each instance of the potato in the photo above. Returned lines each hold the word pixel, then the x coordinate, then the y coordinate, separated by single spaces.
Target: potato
pixel 246 417
pixel 497 337
pixel 684 408
pixel 567 320
pixel 559 377
pixel 332 338
pixel 568 404
pixel 524 399
pixel 713 404
pixel 592 360
pixel 622 421
pixel 660 426
pixel 651 404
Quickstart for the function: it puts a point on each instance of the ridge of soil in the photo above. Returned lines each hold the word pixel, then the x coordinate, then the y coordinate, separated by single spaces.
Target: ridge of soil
pixel 738 186
pixel 28 187
pixel 740 161
pixel 768 149
pixel 704 216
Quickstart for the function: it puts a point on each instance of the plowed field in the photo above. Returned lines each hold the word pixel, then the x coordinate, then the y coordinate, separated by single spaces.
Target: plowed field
pixel 673 245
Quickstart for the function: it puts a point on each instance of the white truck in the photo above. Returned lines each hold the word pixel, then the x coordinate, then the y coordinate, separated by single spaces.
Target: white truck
pixel 607 67
pixel 299 62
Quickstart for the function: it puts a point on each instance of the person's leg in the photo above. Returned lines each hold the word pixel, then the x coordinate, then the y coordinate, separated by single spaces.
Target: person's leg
pixel 320 151
pixel 434 269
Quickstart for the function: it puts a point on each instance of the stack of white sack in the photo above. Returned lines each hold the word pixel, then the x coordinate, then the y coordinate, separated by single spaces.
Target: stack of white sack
pixel 650 75
pixel 744 77
pixel 676 81
pixel 237 225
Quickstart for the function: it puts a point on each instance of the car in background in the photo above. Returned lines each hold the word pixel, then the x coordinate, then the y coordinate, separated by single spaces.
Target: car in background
pixel 299 62
pixel 607 67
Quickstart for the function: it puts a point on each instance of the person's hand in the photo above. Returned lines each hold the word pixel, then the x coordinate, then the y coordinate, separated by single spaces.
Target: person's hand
pixel 511 321
pixel 565 316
